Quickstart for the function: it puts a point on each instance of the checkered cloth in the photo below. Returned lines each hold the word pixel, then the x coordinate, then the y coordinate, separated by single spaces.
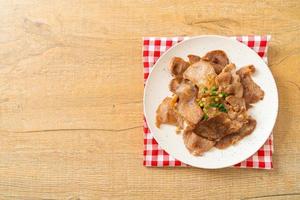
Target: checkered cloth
pixel 154 155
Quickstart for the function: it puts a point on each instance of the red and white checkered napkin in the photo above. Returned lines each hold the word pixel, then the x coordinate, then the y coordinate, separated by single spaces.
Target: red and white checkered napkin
pixel 153 48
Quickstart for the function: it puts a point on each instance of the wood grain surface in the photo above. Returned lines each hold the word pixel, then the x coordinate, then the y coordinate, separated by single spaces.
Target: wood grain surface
pixel 71 90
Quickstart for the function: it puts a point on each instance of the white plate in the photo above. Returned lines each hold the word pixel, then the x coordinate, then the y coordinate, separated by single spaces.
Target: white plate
pixel 265 111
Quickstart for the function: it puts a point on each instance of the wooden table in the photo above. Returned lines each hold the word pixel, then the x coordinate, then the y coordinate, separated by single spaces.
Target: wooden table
pixel 71 98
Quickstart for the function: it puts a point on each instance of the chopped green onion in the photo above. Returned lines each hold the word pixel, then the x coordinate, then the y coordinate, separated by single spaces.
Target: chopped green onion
pixel 213 93
pixel 221 95
pixel 224 94
pixel 214 105
pixel 216 99
pixel 205 117
pixel 222 108
pixel 214 88
pixel 204 90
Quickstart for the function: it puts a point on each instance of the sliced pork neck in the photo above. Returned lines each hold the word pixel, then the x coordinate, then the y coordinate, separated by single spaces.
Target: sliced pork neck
pixel 210 101
pixel 252 92
pixel 231 139
pixel 196 144
pixel 186 106
pixel 199 73
pixel 218 59
pixel 166 114
pixel 217 127
pixel 178 66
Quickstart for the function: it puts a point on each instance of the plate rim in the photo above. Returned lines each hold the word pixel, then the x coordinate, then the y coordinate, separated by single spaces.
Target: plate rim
pixel 232 40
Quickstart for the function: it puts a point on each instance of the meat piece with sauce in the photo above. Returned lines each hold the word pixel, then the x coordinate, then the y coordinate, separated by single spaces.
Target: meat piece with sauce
pixel 218 59
pixel 210 101
pixel 238 104
pixel 199 73
pixel 231 139
pixel 184 89
pixel 178 66
pixel 166 114
pixel 229 82
pixel 190 111
pixel 193 58
pixel 196 144
pixel 252 92
pixel 187 106
pixel 217 127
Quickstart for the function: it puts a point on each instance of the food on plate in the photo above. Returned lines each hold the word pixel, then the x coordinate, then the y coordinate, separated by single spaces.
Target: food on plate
pixel 252 92
pixel 218 59
pixel 178 66
pixel 166 113
pixel 210 101
pixel 193 58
